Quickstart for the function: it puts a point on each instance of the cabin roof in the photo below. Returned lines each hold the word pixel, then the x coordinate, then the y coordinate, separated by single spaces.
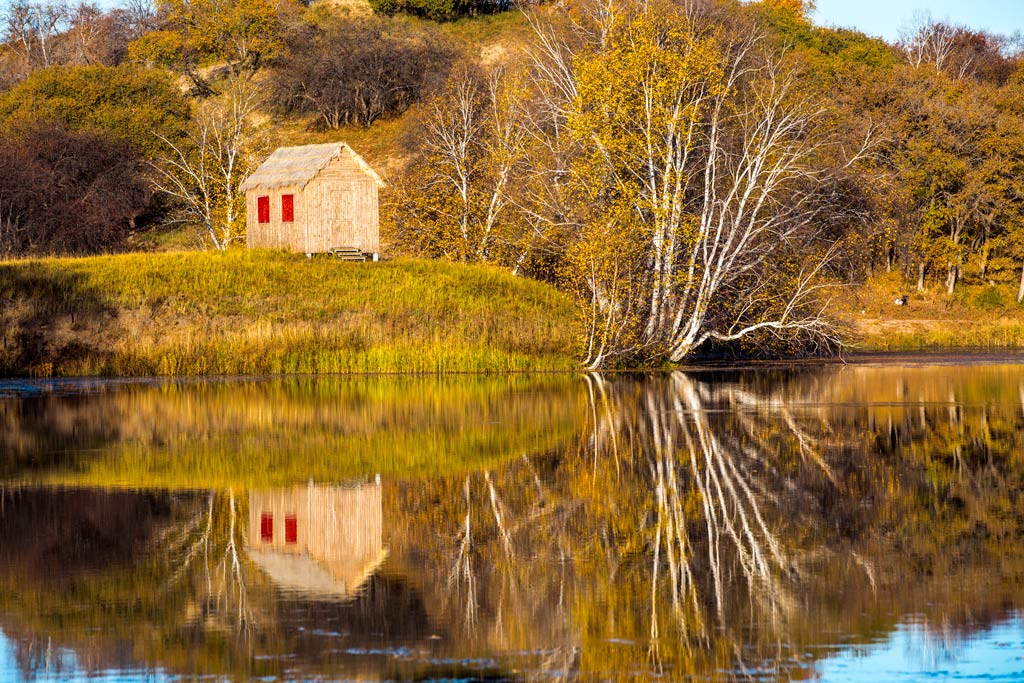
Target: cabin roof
pixel 301 573
pixel 296 166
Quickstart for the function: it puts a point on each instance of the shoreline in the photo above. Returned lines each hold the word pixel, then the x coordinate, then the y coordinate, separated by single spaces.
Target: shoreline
pixel 255 313
pixel 25 387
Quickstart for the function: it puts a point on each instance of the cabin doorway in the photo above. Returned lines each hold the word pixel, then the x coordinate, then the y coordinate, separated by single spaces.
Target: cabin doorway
pixel 342 228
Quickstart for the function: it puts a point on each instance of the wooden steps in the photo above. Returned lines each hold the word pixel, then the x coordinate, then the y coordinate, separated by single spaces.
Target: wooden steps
pixel 348 254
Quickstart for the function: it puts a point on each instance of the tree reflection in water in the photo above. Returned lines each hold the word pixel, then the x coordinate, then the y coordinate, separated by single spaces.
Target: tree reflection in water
pixel 726 523
pixel 207 553
pixel 720 525
pixel 658 478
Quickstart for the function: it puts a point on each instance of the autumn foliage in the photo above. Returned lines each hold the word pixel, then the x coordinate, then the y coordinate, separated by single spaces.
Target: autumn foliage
pixel 63 191
pixel 701 176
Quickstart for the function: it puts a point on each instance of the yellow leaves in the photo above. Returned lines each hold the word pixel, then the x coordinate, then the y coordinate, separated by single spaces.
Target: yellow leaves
pixel 240 32
pixel 640 104
pixel 158 48
pixel 644 97
pixel 798 8
pixel 654 78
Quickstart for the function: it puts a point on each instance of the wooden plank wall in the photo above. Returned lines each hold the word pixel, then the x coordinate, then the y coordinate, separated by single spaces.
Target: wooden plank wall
pixel 275 234
pixel 338 208
pixel 343 209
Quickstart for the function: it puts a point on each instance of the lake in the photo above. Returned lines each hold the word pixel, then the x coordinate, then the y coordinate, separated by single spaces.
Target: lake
pixel 860 522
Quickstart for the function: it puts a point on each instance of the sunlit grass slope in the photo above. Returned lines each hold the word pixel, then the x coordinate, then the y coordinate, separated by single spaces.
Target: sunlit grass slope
pixel 258 312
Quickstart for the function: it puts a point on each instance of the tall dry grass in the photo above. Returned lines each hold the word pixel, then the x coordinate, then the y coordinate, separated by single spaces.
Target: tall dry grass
pixel 266 312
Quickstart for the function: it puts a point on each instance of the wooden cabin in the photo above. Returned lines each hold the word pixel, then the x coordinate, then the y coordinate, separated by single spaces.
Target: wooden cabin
pixel 313 199
pixel 316 540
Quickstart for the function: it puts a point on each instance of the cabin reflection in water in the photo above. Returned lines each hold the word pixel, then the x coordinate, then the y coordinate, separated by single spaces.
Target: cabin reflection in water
pixel 318 541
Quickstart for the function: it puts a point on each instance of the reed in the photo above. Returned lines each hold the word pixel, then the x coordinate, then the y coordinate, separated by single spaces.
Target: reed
pixel 948 335
pixel 268 312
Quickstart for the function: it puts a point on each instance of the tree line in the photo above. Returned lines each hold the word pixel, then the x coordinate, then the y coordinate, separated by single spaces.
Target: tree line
pixel 702 174
pixel 699 174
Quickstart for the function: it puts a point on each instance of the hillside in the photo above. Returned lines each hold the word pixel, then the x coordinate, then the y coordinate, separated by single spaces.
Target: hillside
pixel 526 141
pixel 245 312
pixel 975 317
pixel 489 39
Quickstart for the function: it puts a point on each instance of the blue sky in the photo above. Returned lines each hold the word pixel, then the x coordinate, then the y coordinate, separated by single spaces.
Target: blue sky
pixel 886 17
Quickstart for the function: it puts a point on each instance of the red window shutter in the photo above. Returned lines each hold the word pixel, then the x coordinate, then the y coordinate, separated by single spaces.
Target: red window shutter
pixel 266 527
pixel 287 208
pixel 263 209
pixel 291 529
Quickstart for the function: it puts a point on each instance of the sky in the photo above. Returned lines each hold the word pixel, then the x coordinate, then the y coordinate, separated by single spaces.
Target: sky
pixel 885 17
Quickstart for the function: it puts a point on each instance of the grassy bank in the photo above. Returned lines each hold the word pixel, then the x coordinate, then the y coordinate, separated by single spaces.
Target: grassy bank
pixel 251 312
pixel 974 317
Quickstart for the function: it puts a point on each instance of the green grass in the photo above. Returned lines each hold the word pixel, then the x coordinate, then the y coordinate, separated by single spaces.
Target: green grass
pixel 264 312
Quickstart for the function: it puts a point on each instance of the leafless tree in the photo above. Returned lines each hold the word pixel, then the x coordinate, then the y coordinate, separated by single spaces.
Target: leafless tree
pixel 204 172
pixel 95 36
pixel 33 28
pixel 64 191
pixel 140 16
pixel 358 71
pixel 474 142
pixel 925 41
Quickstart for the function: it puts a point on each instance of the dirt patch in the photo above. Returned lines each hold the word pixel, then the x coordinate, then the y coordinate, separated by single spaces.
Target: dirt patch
pixel 348 8
pixel 493 54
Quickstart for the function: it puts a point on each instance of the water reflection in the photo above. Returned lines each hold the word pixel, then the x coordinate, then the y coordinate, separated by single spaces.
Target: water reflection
pixel 317 541
pixel 717 525
pixel 278 432
pixel 913 652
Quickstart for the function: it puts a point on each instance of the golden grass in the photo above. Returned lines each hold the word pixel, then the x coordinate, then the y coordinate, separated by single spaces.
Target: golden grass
pixel 933 335
pixel 264 312
pixel 975 317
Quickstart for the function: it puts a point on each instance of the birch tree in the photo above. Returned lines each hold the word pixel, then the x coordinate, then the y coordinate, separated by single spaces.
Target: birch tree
pixel 927 42
pixel 701 153
pixel 203 173
pixel 32 30
pixel 458 202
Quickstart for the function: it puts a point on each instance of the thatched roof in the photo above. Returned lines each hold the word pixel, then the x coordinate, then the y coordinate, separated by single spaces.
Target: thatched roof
pixel 296 166
pixel 300 573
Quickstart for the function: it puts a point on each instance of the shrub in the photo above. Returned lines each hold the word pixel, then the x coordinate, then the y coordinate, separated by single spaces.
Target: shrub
pixel 990 298
pixel 67 191
pixel 385 7
pixel 358 71
pixel 440 10
pixel 126 103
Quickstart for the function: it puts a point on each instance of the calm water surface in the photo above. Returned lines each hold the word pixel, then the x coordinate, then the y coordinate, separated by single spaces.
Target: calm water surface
pixel 846 523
